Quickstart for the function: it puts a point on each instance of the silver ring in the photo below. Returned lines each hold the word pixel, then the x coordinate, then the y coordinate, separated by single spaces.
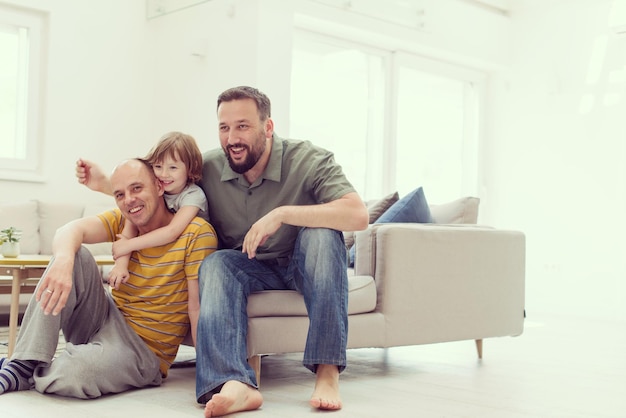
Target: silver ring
pixel 48 290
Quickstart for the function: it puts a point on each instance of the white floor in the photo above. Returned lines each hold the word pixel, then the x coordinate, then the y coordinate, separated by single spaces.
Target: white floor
pixel 559 367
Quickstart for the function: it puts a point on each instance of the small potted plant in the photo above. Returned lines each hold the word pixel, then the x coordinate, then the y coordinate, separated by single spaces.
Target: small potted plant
pixel 10 239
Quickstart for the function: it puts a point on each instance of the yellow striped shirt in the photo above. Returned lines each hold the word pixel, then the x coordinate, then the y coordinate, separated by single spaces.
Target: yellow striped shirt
pixel 154 299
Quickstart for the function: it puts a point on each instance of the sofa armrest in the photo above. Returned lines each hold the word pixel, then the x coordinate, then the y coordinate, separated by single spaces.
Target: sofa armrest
pixel 454 282
pixel 366 244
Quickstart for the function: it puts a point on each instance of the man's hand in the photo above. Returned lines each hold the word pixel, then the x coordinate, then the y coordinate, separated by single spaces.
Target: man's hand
pixel 92 176
pixel 55 286
pixel 261 231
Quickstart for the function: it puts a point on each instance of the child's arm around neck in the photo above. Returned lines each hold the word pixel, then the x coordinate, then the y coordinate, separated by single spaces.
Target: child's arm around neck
pixel 165 234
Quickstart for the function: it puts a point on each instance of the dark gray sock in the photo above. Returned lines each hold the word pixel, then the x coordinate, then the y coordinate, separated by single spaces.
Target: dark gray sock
pixel 16 374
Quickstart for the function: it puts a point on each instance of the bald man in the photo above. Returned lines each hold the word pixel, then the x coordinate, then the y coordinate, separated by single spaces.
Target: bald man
pixel 118 340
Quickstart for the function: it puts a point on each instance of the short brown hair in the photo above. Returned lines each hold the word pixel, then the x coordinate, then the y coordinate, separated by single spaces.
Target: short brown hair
pixel 263 103
pixel 182 147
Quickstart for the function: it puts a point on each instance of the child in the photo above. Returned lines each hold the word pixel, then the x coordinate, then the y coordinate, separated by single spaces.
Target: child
pixel 177 163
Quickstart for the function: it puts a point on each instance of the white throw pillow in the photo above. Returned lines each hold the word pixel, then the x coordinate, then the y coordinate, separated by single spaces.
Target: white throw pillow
pixel 53 216
pixel 460 211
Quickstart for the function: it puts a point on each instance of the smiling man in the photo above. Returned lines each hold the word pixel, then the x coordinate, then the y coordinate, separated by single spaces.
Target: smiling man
pixel 123 340
pixel 278 206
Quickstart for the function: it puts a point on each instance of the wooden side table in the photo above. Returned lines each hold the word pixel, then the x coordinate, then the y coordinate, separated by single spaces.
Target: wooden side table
pixel 21 269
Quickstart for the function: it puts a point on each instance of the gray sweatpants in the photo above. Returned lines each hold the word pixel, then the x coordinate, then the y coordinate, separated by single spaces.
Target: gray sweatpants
pixel 103 353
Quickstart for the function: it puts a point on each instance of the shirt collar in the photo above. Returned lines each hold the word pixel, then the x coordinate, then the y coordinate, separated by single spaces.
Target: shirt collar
pixel 271 172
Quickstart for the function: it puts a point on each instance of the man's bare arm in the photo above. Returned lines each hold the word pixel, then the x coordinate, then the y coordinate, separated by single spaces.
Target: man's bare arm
pixel 348 213
pixel 56 284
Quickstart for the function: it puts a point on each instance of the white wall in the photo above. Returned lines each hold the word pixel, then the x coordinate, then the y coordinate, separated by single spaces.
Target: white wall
pixel 556 164
pixel 117 81
pixel 96 91
pixel 246 42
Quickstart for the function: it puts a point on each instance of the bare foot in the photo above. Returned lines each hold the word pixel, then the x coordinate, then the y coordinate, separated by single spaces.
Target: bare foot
pixel 234 397
pixel 326 393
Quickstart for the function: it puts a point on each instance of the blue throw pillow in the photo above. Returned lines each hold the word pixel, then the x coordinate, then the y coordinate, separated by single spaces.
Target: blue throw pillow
pixel 411 208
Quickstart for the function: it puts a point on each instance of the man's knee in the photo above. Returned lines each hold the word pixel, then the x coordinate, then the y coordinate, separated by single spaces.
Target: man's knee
pixel 219 260
pixel 321 250
pixel 83 253
pixel 217 268
pixel 321 239
pixel 214 263
pixel 85 263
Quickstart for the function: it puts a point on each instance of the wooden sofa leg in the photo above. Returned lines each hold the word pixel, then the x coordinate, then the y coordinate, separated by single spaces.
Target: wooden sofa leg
pixel 479 348
pixel 255 363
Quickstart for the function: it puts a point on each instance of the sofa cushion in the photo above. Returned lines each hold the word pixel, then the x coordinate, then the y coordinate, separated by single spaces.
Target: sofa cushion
pixel 361 299
pixel 411 208
pixel 53 216
pixel 375 208
pixel 103 248
pixel 460 211
pixel 23 216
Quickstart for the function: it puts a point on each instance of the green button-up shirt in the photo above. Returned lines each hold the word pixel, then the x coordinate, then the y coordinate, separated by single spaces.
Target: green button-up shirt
pixel 298 173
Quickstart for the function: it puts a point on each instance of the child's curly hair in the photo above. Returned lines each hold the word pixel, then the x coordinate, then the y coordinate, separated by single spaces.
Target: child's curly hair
pixel 181 147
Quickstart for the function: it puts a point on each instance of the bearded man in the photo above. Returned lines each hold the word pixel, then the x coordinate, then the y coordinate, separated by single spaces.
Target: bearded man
pixel 278 207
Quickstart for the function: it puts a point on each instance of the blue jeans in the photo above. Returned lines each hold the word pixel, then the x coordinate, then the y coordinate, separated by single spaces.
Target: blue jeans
pixel 317 269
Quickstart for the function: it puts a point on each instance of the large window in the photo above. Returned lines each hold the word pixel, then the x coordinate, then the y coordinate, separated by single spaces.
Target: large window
pixel 20 103
pixel 393 120
pixel 436 135
pixel 337 102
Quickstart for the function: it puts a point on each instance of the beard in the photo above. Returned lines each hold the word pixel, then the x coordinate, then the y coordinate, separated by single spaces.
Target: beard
pixel 253 154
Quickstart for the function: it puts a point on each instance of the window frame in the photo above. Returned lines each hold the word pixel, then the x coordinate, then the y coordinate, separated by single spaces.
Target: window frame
pixel 375 175
pixel 383 168
pixel 28 168
pixel 474 114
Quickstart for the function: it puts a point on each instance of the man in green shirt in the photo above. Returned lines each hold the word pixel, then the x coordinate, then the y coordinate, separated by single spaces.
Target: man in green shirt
pixel 278 207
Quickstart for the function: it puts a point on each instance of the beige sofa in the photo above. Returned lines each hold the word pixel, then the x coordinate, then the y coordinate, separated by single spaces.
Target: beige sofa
pixel 411 284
